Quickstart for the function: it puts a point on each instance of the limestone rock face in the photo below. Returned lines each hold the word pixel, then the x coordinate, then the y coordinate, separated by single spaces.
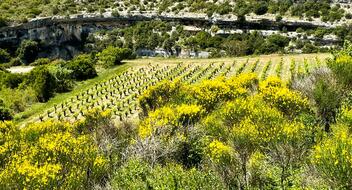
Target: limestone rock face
pixel 57 41
pixel 65 37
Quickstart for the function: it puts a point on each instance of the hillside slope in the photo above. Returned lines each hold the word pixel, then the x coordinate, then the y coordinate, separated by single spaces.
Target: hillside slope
pixel 28 9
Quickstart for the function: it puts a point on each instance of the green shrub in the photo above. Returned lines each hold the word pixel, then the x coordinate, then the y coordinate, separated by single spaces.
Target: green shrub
pixel 15 62
pixel 5 114
pixel 139 175
pixel 10 80
pixel 17 100
pixel 28 51
pixel 4 56
pixel 3 22
pixel 261 8
pixel 42 82
pixel 113 56
pixel 332 158
pixel 82 67
pixel 41 61
pixel 342 68
pixel 62 75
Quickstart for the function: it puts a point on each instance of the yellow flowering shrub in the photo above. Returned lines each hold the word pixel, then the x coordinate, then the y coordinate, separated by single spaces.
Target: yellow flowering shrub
pixel 345 115
pixel 260 169
pixel 272 82
pixel 333 158
pixel 245 137
pixel 209 92
pixel 9 141
pixel 92 120
pixel 255 110
pixel 170 116
pixel 155 120
pixel 189 114
pixel 276 94
pixel 219 152
pixel 159 95
pixel 342 68
pixel 243 80
pixel 50 155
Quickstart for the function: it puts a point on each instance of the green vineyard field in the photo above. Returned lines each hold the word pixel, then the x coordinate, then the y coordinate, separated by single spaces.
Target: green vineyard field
pixel 120 93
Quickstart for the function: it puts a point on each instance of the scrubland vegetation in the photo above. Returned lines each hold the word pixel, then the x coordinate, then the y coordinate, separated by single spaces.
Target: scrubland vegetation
pixel 105 120
pixel 309 9
pixel 247 125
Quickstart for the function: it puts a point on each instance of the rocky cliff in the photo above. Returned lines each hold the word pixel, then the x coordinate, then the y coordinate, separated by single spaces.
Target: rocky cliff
pixel 64 37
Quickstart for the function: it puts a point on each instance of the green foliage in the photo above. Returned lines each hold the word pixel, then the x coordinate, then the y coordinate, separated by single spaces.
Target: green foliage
pixel 82 67
pixel 5 114
pixel 139 175
pixel 332 158
pixel 9 80
pixel 273 43
pixel 261 8
pixel 327 100
pixel 17 100
pixel 160 95
pixel 113 56
pixel 42 82
pixel 63 77
pixel 342 68
pixel 15 62
pixel 3 22
pixel 41 61
pixel 28 51
pixel 50 155
pixel 4 56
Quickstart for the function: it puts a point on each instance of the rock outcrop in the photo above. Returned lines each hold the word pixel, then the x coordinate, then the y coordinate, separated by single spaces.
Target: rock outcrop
pixel 65 37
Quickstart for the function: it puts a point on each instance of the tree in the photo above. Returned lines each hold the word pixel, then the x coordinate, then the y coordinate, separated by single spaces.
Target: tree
pixel 62 75
pixel 113 56
pixel 4 56
pixel 261 8
pixel 28 51
pixel 82 67
pixel 324 92
pixel 235 47
pixel 202 39
pixel 168 45
pixel 42 82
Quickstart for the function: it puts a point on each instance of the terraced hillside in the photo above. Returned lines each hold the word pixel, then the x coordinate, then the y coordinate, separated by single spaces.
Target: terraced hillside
pixel 120 92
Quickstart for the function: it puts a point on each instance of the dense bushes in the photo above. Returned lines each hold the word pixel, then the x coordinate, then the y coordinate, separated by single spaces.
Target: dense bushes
pixel 5 113
pixel 236 127
pixel 156 34
pixel 82 67
pixel 223 133
pixel 28 51
pixel 342 68
pixel 4 56
pixel 52 155
pixel 310 8
pixel 42 82
pixel 332 158
pixel 113 56
pixel 139 175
